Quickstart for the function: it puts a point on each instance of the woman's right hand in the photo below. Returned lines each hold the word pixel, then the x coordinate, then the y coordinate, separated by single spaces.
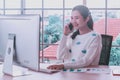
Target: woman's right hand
pixel 56 67
pixel 67 30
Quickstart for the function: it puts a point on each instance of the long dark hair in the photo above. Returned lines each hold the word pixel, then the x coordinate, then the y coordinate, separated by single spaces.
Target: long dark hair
pixel 84 11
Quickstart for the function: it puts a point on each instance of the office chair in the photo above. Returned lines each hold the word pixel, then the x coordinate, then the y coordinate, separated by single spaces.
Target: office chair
pixel 106 48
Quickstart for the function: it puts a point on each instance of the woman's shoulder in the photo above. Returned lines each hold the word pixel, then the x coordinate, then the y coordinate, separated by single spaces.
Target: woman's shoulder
pixel 95 33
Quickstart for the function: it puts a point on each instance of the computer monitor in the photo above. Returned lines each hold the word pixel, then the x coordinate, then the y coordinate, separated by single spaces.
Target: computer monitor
pixel 26 29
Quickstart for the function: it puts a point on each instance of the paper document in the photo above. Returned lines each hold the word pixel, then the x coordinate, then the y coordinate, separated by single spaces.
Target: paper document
pixel 20 71
pixel 17 71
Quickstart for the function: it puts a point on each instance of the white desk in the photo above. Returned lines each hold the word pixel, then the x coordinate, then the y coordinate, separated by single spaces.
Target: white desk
pixel 64 76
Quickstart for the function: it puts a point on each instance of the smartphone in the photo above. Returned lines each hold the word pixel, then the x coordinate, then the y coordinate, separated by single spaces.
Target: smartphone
pixel 70 26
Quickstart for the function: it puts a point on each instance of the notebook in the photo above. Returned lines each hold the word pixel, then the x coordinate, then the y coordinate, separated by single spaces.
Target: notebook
pixel 43 68
pixel 116 72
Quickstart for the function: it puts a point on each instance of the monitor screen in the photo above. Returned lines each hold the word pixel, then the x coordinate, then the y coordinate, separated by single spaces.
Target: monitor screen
pixel 26 29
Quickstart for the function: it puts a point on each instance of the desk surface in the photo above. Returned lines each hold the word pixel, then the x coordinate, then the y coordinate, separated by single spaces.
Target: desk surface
pixel 65 75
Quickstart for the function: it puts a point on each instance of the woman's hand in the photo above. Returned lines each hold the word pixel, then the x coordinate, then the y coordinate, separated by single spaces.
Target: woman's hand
pixel 67 29
pixel 56 67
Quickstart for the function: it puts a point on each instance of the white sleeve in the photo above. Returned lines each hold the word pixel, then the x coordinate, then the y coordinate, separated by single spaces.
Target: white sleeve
pixel 62 51
pixel 93 51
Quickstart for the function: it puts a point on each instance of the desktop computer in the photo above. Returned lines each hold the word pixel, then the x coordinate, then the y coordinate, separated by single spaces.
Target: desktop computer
pixel 19 40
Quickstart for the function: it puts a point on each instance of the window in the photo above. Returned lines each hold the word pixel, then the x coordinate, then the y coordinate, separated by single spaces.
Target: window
pixel 33 3
pixel 1 7
pixel 113 4
pixel 72 3
pixel 53 3
pixel 95 3
pixel 99 20
pixel 15 4
pixel 1 4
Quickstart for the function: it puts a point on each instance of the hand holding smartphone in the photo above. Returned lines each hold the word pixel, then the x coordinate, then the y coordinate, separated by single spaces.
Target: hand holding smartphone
pixel 68 28
pixel 71 26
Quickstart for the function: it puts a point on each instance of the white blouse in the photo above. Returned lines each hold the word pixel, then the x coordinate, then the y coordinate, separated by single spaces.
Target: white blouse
pixel 84 50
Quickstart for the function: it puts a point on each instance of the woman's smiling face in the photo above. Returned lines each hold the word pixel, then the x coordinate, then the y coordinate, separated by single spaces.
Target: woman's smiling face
pixel 77 20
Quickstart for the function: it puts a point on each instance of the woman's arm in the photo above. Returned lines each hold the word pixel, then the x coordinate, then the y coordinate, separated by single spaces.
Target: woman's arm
pixel 62 51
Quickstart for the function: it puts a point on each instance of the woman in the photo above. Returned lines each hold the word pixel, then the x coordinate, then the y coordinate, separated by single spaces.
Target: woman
pixel 79 47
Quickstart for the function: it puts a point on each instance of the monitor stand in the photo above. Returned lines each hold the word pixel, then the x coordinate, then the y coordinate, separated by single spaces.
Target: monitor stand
pixel 8 67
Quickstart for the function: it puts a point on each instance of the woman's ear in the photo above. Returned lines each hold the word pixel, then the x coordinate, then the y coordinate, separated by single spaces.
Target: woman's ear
pixel 87 19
